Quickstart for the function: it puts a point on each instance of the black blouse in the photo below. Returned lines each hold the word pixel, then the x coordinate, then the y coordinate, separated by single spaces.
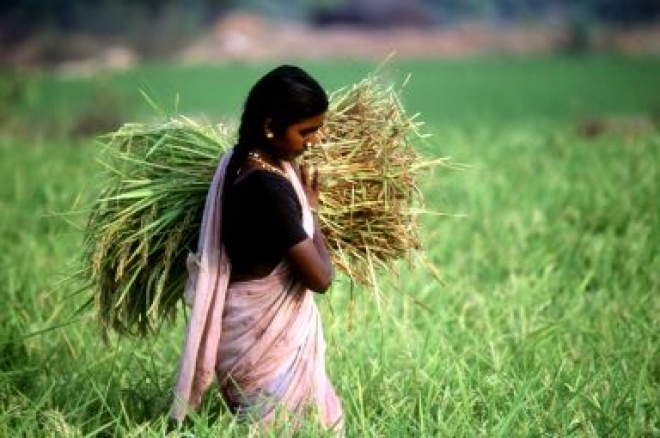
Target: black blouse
pixel 262 219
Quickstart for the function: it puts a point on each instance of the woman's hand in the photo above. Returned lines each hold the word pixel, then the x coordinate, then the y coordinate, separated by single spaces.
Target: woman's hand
pixel 310 179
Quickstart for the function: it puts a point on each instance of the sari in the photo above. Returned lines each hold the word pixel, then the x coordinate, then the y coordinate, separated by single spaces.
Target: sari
pixel 262 338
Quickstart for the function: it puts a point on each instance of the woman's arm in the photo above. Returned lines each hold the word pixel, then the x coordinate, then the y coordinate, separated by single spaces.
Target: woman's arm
pixel 311 257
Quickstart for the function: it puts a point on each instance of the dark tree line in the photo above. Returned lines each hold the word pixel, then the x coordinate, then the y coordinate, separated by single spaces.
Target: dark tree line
pixel 613 12
pixel 19 18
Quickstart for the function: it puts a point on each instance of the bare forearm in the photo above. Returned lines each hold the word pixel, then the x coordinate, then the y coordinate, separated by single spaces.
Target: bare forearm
pixel 321 247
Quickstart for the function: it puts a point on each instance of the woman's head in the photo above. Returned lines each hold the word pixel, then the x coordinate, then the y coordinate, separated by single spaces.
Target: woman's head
pixel 285 105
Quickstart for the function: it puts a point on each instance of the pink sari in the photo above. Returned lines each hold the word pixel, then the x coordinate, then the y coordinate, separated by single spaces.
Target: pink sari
pixel 263 337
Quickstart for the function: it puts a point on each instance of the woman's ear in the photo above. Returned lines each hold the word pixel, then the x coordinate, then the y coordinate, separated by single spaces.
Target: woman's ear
pixel 268 128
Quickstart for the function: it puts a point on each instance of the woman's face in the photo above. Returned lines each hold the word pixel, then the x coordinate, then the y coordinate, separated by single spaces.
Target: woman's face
pixel 297 137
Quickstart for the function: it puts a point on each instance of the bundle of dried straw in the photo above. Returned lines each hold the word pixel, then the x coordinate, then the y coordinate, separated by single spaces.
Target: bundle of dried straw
pixel 147 218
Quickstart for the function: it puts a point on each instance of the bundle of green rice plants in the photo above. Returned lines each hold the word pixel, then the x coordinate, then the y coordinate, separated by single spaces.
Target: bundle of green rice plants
pixel 146 219
pixel 148 215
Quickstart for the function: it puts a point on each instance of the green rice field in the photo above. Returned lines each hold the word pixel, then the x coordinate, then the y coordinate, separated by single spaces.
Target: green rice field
pixel 540 316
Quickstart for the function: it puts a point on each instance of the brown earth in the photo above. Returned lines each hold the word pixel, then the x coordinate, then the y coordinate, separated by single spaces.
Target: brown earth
pixel 243 37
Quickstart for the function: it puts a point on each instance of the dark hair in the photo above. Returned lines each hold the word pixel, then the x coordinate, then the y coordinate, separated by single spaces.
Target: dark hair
pixel 285 95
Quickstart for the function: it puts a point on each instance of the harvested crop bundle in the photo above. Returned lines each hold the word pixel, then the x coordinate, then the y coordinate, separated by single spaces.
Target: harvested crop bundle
pixel 147 218
pixel 368 210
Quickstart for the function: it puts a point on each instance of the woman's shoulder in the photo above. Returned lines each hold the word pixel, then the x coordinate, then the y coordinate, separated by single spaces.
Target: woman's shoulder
pixel 267 192
pixel 264 182
pixel 263 178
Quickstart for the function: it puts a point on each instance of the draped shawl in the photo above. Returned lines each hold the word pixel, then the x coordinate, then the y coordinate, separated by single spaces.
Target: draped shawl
pixel 262 337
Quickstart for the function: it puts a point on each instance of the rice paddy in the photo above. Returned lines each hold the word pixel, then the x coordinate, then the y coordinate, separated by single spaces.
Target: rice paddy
pixel 540 317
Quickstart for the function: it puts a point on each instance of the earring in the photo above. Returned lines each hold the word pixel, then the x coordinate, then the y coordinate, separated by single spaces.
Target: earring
pixel 269 134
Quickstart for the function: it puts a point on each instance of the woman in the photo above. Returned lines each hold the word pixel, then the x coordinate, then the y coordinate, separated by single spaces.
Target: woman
pixel 261 253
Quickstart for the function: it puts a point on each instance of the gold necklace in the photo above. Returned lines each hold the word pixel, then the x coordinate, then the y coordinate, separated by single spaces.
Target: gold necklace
pixel 265 165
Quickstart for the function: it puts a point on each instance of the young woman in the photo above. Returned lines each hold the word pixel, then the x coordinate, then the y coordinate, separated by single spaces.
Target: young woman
pixel 254 323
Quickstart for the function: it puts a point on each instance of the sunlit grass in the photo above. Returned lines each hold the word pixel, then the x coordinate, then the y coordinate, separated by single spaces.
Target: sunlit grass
pixel 543 320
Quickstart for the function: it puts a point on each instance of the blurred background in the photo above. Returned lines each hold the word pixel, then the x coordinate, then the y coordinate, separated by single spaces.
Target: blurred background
pixel 76 67
pixel 545 320
pixel 81 36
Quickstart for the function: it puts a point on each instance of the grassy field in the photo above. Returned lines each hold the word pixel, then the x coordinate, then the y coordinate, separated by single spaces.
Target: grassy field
pixel 544 321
